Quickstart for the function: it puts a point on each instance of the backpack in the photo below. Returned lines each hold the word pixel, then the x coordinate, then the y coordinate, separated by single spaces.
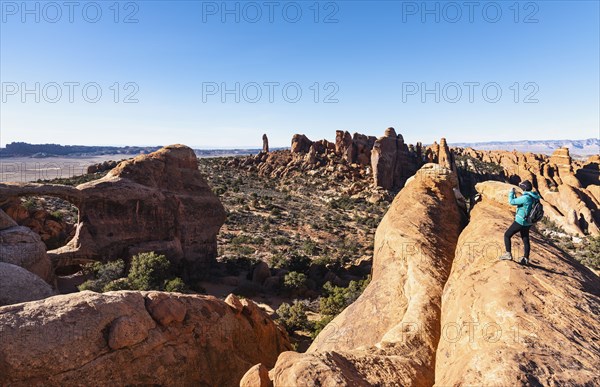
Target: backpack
pixel 536 212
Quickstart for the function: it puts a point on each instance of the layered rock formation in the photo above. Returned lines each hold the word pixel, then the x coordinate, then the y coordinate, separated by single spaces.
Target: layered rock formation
pixel 392 161
pixel 300 143
pixel 568 187
pixel 135 338
pixel 389 335
pixel 157 202
pixel 505 325
pixel 383 163
pixel 19 285
pixel 354 149
pixel 22 247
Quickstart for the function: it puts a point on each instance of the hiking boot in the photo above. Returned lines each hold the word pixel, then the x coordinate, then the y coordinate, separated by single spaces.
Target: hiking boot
pixel 524 261
pixel 506 257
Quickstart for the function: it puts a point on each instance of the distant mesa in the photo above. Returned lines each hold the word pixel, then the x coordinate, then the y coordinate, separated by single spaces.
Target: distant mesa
pixel 22 149
pixel 586 147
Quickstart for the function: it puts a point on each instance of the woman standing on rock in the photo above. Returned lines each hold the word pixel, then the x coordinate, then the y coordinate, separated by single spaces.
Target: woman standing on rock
pixel 524 205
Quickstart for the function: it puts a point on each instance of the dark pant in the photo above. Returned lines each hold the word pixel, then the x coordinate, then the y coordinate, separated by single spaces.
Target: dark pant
pixel 512 230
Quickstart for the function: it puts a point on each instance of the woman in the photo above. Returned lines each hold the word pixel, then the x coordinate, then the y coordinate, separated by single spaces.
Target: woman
pixel 523 203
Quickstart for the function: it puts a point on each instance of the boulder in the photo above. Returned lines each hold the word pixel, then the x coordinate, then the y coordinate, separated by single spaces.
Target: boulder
pixel 257 376
pixel 506 325
pixel 19 285
pixel 23 247
pixel 135 338
pixel 260 273
pixel 6 221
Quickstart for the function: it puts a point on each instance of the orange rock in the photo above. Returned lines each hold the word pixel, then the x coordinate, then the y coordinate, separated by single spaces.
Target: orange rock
pixel 506 325
pixel 93 339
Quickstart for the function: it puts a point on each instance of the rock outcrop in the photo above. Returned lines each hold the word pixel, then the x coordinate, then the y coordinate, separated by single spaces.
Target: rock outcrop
pixel 265 147
pixel 389 335
pixel 354 148
pixel 157 202
pixel 507 325
pixel 300 143
pixel 394 162
pixel 135 338
pixel 22 247
pixel 19 285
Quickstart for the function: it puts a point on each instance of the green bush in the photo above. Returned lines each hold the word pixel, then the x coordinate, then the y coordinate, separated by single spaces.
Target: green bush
pixel 294 280
pixel 103 275
pixel 149 271
pixel 29 204
pixel 319 325
pixel 118 284
pixel 336 299
pixel 176 285
pixel 590 254
pixel 298 262
pixel 293 317
pixel 309 247
pixel 57 214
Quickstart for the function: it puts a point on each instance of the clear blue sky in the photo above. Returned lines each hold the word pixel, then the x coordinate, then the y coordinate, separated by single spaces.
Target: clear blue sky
pixel 371 59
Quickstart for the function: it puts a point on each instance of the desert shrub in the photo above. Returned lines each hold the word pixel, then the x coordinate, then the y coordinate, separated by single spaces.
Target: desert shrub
pixel 309 247
pixel 57 214
pixel 280 240
pixel 219 190
pixel 103 274
pixel 297 262
pixel 277 260
pixel 325 260
pixel 234 265
pixel 29 204
pixel 319 325
pixel 176 285
pixel 551 225
pixel 343 203
pixel 118 284
pixel 149 271
pixel 590 254
pixel 293 317
pixel 294 280
pixel 244 250
pixel 335 299
pixel 241 239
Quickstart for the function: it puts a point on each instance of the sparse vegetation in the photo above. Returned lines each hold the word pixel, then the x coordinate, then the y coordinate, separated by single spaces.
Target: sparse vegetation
pixel 293 317
pixel 335 299
pixel 149 271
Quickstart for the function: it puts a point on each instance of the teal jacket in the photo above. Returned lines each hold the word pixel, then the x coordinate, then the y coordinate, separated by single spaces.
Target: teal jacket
pixel 523 203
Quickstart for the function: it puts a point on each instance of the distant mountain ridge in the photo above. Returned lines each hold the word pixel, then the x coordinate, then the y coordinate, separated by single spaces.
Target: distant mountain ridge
pixel 584 147
pixel 23 149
